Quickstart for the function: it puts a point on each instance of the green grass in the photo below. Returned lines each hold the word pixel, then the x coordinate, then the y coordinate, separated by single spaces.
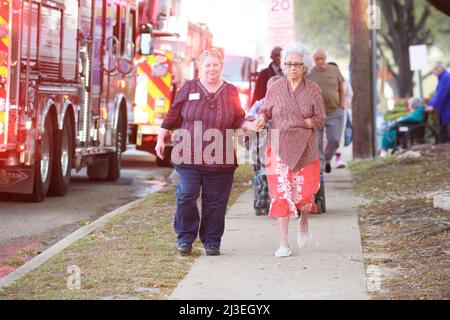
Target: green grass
pixel 136 249
pixel 396 220
pixel 387 178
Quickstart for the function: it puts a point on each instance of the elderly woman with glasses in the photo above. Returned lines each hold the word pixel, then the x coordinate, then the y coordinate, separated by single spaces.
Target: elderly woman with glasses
pixel 296 109
pixel 204 114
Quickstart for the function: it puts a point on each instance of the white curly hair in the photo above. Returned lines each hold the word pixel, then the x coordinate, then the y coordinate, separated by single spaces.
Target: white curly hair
pixel 299 49
pixel 415 102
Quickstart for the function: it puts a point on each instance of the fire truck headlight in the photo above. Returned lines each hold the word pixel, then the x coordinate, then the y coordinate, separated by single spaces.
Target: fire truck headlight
pixel 28 124
pixel 140 116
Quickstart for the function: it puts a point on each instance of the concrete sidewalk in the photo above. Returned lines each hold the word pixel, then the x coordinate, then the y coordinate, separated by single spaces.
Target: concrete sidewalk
pixel 331 267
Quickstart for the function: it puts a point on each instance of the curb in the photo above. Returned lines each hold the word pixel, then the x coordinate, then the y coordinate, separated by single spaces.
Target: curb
pixel 62 244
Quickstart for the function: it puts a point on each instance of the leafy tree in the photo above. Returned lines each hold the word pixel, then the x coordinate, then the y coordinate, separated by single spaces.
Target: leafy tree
pixel 405 23
pixel 324 23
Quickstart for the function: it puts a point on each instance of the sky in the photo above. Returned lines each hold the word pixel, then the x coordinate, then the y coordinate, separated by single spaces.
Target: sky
pixel 240 27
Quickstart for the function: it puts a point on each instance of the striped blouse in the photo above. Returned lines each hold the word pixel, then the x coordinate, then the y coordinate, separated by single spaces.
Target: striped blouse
pixel 297 145
pixel 204 119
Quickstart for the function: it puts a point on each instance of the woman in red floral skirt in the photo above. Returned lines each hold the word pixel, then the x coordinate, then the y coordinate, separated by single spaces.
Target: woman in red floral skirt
pixel 295 106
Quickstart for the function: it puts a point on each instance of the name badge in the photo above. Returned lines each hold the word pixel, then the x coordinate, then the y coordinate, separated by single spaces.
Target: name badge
pixel 194 96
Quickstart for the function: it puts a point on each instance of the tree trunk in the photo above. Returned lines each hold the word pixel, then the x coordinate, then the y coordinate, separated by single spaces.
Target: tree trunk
pixel 404 29
pixel 363 130
pixel 405 75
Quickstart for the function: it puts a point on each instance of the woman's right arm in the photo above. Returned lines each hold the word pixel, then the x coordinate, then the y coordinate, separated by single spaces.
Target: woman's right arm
pixel 161 144
pixel 265 113
pixel 172 120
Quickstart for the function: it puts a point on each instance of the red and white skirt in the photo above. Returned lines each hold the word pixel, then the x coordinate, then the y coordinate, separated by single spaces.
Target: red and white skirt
pixel 290 190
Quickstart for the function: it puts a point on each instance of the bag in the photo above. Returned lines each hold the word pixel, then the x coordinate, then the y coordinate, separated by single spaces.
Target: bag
pixel 348 134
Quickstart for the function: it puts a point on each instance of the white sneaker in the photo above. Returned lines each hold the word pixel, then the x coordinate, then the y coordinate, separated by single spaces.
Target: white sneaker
pixel 340 164
pixel 283 252
pixel 303 238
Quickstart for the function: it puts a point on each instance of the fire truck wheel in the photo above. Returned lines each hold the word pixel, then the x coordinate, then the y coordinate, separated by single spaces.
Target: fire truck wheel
pixel 63 160
pixel 166 161
pixel 43 168
pixel 115 158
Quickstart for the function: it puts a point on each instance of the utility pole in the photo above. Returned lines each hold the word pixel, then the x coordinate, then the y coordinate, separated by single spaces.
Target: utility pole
pixel 361 75
pixel 373 25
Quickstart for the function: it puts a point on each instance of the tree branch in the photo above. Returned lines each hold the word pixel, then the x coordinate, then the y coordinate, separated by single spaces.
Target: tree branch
pixel 410 18
pixel 389 67
pixel 428 74
pixel 339 11
pixel 424 37
pixel 399 12
pixel 420 25
pixel 443 30
pixel 389 43
pixel 387 9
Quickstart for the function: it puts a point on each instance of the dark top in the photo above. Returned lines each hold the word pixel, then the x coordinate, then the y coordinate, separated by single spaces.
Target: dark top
pixel 261 83
pixel 206 123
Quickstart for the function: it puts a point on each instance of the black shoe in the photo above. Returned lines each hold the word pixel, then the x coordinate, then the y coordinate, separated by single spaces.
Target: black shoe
pixel 259 211
pixel 212 251
pixel 262 211
pixel 328 168
pixel 184 248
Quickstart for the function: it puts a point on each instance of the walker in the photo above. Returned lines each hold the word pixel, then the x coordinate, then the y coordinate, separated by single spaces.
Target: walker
pixel 319 198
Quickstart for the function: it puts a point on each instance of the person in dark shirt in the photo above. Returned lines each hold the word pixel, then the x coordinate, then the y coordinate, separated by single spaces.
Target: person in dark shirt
pixel 203 112
pixel 274 69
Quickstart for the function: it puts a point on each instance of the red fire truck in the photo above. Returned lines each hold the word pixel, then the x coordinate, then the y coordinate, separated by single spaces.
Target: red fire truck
pixel 66 85
pixel 173 46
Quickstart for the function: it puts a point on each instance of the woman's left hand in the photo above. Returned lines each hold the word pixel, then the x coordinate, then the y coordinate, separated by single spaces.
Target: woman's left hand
pixel 249 125
pixel 309 123
pixel 260 123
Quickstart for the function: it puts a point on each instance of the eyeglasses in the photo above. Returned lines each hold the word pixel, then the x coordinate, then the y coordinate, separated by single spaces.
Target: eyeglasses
pixel 289 65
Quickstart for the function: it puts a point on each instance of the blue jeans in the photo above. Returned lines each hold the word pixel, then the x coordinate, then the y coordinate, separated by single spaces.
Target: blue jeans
pixel 216 188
